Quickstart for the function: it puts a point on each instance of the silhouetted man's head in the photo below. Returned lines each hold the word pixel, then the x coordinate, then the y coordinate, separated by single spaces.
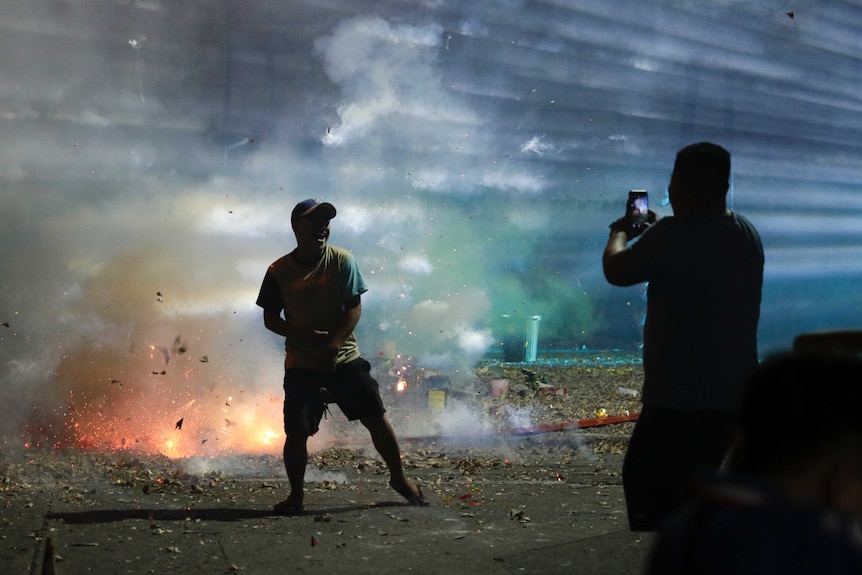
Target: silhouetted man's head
pixel 310 222
pixel 312 207
pixel 800 428
pixel 700 179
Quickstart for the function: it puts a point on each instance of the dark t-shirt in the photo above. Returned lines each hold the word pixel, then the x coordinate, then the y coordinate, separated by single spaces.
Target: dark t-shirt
pixel 705 275
pixel 313 296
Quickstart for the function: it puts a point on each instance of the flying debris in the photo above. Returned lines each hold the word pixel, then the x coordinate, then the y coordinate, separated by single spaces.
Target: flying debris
pixel 136 43
pixel 243 142
pixel 204 359
pixel 166 353
pixel 228 423
pixel 791 15
pixel 5 324
pixel 163 372
pixel 115 380
pixel 179 347
pixel 203 441
pixel 180 423
pixel 159 297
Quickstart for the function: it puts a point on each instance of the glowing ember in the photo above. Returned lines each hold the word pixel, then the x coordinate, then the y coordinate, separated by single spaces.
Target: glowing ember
pixel 401 386
pixel 268 437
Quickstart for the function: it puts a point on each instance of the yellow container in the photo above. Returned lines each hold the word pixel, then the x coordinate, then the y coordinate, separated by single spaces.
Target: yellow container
pixel 436 399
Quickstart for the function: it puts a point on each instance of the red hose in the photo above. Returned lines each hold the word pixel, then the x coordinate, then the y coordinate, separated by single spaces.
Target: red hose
pixel 580 424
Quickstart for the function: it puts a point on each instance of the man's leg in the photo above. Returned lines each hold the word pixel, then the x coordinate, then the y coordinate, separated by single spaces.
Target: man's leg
pixel 384 441
pixel 357 393
pixel 646 477
pixel 302 412
pixel 670 452
pixel 295 461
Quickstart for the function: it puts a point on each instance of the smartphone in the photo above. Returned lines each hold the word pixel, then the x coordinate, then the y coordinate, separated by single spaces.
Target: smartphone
pixel 637 208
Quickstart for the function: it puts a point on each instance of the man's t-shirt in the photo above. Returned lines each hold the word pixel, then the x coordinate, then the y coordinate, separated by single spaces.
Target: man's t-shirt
pixel 705 275
pixel 313 296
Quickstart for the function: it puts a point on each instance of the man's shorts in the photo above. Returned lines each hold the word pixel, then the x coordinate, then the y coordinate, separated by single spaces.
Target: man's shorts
pixel 307 391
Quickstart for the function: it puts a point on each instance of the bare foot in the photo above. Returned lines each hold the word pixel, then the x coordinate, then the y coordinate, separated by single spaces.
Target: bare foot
pixel 411 492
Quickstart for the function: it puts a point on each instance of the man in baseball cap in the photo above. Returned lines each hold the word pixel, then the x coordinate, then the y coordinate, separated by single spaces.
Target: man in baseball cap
pixel 309 206
pixel 312 298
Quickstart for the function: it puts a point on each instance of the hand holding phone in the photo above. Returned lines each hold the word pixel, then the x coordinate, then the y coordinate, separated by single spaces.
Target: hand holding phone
pixel 637 217
pixel 637 213
pixel 637 207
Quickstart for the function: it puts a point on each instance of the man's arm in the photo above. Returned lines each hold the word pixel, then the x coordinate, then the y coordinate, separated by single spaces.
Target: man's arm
pixel 269 299
pixel 275 323
pixel 614 261
pixel 348 322
pixel 346 325
pixel 618 263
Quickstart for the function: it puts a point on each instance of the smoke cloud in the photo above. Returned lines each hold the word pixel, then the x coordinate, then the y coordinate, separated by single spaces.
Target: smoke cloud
pixel 152 152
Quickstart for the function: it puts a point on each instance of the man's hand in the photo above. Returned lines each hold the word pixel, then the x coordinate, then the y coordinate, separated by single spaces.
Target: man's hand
pixel 327 348
pixel 616 265
pixel 317 338
pixel 329 354
pixel 632 230
pixel 307 336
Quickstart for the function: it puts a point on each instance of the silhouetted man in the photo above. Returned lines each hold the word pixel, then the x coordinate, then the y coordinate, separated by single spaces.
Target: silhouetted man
pixel 312 297
pixel 704 266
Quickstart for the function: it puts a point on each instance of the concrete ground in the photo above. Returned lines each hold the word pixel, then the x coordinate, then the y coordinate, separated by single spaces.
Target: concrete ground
pixel 550 508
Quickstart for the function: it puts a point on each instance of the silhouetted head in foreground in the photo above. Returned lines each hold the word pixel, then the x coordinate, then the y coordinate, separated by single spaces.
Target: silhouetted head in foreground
pixel 801 428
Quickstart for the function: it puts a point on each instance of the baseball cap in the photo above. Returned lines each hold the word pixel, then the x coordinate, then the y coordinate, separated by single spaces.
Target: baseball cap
pixel 305 207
